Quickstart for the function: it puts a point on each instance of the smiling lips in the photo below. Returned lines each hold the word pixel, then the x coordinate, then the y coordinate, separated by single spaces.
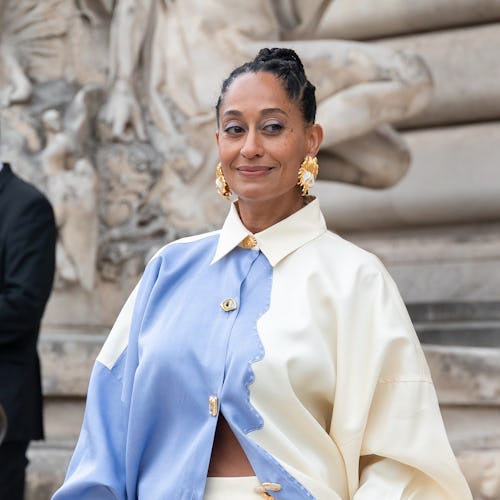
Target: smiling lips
pixel 253 171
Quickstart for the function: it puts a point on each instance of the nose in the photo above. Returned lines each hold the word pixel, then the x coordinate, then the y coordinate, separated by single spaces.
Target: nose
pixel 252 145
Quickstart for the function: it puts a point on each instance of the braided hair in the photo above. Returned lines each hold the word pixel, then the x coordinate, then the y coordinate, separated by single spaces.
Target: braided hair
pixel 286 65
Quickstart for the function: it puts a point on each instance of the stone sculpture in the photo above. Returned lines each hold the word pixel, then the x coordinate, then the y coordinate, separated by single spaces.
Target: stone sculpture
pixel 72 187
pixel 28 30
pixel 361 88
pixel 142 173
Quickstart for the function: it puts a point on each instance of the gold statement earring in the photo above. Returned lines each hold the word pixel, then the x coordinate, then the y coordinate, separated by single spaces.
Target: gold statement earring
pixel 221 184
pixel 308 172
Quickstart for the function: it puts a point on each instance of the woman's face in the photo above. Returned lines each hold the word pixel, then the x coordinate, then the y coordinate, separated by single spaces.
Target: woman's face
pixel 263 139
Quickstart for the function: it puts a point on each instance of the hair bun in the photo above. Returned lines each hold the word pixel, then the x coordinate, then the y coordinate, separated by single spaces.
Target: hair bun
pixel 285 65
pixel 280 53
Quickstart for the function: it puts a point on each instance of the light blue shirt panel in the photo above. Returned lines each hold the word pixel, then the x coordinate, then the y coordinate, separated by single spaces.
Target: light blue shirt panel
pixel 97 465
pixel 184 357
pixel 97 468
pixel 183 347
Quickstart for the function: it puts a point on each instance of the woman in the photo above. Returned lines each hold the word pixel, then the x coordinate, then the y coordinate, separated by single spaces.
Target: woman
pixel 269 359
pixel 159 42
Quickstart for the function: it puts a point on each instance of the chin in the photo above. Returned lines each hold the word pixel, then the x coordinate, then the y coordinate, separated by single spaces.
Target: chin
pixel 252 195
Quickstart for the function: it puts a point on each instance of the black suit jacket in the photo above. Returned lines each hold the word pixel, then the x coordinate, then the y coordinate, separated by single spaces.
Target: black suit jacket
pixel 27 263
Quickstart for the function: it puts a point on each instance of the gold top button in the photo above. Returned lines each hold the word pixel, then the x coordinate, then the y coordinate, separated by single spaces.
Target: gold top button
pixel 229 305
pixel 213 405
pixel 248 242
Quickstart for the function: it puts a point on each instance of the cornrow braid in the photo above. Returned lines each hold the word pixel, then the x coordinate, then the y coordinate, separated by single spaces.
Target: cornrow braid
pixel 286 65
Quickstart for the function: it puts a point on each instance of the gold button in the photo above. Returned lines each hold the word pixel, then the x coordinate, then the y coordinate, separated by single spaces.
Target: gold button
pixel 213 405
pixel 228 305
pixel 248 242
pixel 263 489
pixel 271 486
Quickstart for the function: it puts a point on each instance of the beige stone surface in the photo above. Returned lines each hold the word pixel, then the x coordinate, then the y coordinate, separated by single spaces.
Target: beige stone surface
pixel 441 281
pixel 77 307
pixel 482 471
pixel 438 243
pixel 465 69
pixel 439 263
pixel 454 178
pixel 46 470
pixel 472 427
pixel 67 361
pixel 63 431
pixel 364 19
pixel 465 375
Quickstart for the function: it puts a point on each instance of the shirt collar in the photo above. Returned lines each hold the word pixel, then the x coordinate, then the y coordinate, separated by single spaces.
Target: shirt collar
pixel 277 241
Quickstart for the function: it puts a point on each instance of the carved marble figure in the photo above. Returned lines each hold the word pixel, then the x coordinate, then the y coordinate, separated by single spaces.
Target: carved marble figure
pixel 28 30
pixel 166 63
pixel 72 187
pixel 361 88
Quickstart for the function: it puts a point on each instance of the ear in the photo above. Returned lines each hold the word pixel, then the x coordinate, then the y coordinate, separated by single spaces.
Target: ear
pixel 315 138
pixel 217 137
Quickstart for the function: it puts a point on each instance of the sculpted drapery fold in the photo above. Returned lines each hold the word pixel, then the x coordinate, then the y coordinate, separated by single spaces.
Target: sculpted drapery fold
pixel 158 79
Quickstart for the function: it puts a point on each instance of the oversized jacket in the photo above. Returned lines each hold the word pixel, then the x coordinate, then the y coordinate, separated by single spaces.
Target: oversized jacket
pixel 300 339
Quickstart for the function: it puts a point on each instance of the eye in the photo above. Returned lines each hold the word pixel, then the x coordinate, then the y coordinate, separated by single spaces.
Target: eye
pixel 232 128
pixel 273 127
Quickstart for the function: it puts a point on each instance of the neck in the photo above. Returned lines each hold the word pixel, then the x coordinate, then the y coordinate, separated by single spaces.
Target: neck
pixel 257 216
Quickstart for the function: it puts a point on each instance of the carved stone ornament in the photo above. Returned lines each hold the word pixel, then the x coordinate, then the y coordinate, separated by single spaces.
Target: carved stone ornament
pixel 120 135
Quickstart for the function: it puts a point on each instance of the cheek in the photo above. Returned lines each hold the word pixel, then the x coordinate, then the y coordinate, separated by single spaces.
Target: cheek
pixel 227 151
pixel 294 148
pixel 295 156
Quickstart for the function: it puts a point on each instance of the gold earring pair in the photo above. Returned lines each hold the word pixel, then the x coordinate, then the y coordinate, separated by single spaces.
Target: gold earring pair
pixel 221 184
pixel 308 172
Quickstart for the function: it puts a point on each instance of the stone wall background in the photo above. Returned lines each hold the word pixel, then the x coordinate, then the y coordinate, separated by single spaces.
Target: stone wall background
pixel 437 230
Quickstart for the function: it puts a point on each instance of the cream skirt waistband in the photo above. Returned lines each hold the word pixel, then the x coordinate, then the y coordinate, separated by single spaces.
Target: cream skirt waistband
pixel 232 488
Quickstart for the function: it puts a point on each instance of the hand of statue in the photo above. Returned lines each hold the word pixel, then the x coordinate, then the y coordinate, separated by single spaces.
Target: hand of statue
pixel 123 113
pixel 20 85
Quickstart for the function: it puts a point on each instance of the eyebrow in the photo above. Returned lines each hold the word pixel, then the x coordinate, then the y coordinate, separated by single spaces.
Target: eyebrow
pixel 265 111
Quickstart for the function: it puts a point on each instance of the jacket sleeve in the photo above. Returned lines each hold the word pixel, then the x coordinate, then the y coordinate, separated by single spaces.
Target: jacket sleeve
pixel 393 435
pixel 97 470
pixel 29 270
pixel 405 452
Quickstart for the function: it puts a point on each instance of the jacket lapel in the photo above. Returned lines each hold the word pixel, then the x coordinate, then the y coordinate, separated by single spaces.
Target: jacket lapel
pixel 5 175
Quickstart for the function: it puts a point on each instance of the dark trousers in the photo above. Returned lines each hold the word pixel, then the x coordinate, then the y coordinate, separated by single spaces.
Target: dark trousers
pixel 13 464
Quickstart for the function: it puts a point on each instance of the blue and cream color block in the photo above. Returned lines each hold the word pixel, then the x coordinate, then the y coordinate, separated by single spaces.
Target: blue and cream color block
pixel 300 339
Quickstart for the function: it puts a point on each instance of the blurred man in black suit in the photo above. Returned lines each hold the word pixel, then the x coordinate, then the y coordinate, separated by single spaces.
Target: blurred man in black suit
pixel 27 262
